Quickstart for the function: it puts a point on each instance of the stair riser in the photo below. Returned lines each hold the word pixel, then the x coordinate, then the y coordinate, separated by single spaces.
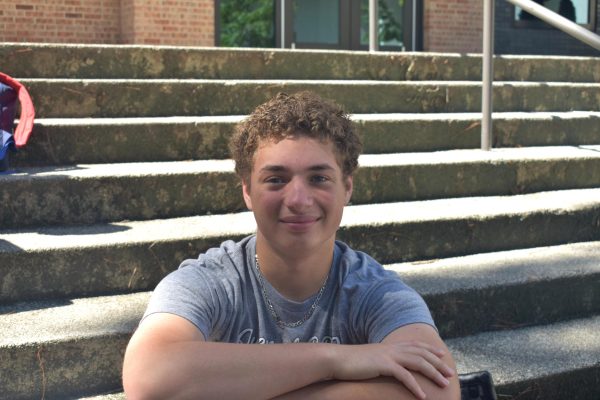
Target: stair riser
pixel 580 384
pixel 93 271
pixel 54 61
pixel 61 201
pixel 67 369
pixel 57 199
pixel 514 306
pixel 448 238
pixel 69 99
pixel 91 144
pixel 97 144
pixel 63 369
pixel 139 266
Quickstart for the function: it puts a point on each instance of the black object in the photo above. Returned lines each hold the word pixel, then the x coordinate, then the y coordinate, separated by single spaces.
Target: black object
pixel 477 386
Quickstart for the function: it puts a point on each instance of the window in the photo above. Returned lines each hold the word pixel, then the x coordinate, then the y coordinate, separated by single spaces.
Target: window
pixel 582 12
pixel 245 23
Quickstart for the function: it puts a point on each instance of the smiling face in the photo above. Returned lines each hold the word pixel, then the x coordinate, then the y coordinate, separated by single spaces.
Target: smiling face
pixel 297 192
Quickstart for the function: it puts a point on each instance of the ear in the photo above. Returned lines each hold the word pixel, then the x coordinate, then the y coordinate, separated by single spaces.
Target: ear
pixel 246 193
pixel 349 183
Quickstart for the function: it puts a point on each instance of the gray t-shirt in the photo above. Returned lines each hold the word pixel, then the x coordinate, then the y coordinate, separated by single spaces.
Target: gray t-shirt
pixel 220 293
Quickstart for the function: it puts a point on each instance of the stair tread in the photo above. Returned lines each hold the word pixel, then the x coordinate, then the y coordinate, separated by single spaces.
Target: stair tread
pixel 529 353
pixel 511 267
pixel 40 321
pixel 119 233
pixel 459 156
pixel 519 356
pixel 356 117
pixel 311 82
pixel 72 319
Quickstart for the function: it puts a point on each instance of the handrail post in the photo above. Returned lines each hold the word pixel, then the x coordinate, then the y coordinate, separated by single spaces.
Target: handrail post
pixel 373 25
pixel 487 75
pixel 283 24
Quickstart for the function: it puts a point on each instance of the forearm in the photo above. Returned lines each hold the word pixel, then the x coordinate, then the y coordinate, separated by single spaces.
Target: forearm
pixel 376 388
pixel 197 370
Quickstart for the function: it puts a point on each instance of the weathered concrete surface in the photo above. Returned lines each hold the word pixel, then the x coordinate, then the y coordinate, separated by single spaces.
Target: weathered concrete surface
pixel 47 333
pixel 455 173
pixel 60 98
pixel 121 140
pixel 111 396
pixel 113 192
pixel 31 60
pixel 552 362
pixel 126 256
pixel 452 227
pixel 183 87
pixel 97 259
pixel 508 289
pixel 67 348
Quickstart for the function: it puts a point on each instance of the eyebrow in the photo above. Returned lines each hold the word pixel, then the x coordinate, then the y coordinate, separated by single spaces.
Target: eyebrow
pixel 280 168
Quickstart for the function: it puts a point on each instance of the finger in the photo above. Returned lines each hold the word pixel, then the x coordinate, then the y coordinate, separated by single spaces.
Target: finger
pixel 439 364
pixel 427 369
pixel 408 380
pixel 429 353
pixel 425 363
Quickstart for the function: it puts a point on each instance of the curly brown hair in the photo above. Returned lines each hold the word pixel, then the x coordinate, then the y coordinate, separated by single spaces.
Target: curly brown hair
pixel 300 114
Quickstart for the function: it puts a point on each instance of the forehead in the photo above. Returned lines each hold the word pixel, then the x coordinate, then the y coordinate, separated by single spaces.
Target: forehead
pixel 296 152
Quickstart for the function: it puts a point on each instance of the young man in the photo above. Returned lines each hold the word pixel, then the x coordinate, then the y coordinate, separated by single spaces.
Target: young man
pixel 334 323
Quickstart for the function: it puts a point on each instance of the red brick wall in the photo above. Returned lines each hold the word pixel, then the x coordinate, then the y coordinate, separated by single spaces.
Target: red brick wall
pixel 172 22
pixel 85 21
pixel 175 22
pixel 453 25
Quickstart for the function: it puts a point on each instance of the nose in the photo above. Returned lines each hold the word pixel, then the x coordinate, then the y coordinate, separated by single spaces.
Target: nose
pixel 298 195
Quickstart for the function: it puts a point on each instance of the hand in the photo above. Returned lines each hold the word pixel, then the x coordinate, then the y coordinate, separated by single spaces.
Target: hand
pixel 398 360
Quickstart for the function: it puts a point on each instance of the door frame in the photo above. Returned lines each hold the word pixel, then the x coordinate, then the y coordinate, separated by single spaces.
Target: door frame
pixel 349 27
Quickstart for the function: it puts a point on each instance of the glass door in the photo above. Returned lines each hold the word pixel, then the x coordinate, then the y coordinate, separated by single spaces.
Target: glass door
pixel 344 24
pixel 314 24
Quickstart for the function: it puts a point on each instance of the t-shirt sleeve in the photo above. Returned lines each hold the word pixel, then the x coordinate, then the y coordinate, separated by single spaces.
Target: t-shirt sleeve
pixel 189 292
pixel 389 305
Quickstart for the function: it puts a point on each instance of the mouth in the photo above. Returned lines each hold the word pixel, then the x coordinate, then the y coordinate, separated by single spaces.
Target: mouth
pixel 299 222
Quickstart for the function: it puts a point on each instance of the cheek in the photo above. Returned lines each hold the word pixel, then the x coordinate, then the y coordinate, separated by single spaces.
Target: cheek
pixel 266 202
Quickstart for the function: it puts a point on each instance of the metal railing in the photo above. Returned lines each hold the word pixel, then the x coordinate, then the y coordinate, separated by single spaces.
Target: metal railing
pixel 542 13
pixel 529 6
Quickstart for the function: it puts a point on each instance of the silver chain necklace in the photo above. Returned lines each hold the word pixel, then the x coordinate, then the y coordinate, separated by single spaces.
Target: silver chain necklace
pixel 274 314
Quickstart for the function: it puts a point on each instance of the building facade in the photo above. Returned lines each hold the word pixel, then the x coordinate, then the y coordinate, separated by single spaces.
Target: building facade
pixel 421 25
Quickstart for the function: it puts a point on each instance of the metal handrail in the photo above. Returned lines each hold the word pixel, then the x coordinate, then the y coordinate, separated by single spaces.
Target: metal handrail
pixel 542 13
pixel 373 25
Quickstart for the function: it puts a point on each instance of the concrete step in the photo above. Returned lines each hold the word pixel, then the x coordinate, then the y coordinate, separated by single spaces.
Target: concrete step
pixel 33 60
pixel 99 98
pixel 48 341
pixel 537 363
pixel 553 362
pixel 93 193
pixel 112 140
pixel 67 348
pixel 508 289
pixel 132 256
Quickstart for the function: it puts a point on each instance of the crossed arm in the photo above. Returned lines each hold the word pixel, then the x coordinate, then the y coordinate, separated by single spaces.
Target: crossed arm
pixel 168 358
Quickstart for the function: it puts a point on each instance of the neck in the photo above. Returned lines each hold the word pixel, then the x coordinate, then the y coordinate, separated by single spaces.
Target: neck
pixel 296 277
